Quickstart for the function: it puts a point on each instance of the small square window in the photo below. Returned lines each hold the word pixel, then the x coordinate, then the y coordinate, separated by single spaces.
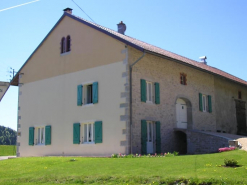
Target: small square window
pixel 183 79
pixel 239 95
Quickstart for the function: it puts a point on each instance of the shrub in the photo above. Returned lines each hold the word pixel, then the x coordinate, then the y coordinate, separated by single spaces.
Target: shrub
pixel 231 162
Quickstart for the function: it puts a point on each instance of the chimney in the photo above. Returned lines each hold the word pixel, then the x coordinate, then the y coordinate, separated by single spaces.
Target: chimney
pixel 68 10
pixel 203 60
pixel 121 27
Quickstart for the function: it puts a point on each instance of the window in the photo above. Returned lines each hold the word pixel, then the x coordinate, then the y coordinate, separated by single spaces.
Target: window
pixel 40 140
pixel 88 98
pixel 150 131
pixel 150 137
pixel 65 44
pixel 68 44
pixel 239 95
pixel 205 103
pixel 150 92
pixel 87 94
pixel 40 135
pixel 87 133
pixel 183 79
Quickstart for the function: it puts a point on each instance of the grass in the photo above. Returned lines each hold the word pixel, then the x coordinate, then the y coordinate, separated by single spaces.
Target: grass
pixel 7 150
pixel 191 169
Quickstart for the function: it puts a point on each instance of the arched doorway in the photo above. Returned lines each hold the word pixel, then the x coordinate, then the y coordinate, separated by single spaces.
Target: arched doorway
pixel 181 142
pixel 183 113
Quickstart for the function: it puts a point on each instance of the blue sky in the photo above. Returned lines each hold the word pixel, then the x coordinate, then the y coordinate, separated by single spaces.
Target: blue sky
pixel 190 28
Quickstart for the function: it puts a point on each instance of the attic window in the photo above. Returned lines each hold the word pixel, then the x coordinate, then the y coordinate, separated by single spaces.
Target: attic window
pixel 68 44
pixel 65 44
pixel 239 95
pixel 183 79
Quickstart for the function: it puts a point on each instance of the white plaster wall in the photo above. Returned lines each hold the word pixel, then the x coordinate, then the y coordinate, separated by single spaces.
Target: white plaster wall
pixel 53 101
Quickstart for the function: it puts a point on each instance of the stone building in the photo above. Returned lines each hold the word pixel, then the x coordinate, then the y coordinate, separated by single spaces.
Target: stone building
pixel 91 91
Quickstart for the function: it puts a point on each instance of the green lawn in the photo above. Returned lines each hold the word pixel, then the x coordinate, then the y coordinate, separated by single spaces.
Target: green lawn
pixel 166 170
pixel 6 150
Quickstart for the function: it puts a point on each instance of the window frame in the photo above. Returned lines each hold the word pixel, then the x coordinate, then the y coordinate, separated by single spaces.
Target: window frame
pixel 68 43
pixel 204 104
pixel 65 45
pixel 85 94
pixel 239 95
pixel 85 133
pixel 152 123
pixel 152 91
pixel 38 135
pixel 183 79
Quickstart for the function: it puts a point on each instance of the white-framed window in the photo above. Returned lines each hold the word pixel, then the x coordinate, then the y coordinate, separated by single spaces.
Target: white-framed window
pixel 40 135
pixel 204 103
pixel 150 92
pixel 88 133
pixel 87 93
pixel 150 131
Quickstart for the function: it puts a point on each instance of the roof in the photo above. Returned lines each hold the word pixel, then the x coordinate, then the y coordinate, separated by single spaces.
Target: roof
pixel 145 47
pixel 4 84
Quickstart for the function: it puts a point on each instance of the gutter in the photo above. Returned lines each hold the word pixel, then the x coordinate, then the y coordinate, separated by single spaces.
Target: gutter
pixel 131 67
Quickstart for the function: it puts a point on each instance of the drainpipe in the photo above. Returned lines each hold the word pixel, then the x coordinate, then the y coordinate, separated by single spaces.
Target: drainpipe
pixel 131 66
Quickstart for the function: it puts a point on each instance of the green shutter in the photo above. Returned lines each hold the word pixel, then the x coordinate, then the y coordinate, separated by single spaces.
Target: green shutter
pixel 76 133
pixel 157 93
pixel 98 131
pixel 158 139
pixel 95 93
pixel 144 137
pixel 143 91
pixel 209 104
pixel 47 135
pixel 79 95
pixel 200 102
pixel 31 135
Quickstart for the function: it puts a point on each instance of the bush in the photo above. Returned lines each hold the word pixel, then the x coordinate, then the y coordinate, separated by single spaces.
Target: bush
pixel 231 162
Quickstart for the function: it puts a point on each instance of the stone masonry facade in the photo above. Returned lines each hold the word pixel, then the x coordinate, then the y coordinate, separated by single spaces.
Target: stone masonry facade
pixel 167 74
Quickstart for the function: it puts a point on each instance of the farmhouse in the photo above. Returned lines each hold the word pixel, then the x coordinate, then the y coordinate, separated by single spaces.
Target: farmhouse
pixel 91 91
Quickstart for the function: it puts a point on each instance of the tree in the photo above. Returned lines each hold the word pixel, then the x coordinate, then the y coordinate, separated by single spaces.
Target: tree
pixel 7 136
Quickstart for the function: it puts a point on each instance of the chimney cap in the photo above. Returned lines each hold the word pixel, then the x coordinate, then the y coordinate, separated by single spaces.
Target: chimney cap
pixel 68 10
pixel 203 57
pixel 121 27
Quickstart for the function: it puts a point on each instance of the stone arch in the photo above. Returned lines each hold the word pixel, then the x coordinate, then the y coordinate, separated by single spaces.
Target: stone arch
pixel 180 141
